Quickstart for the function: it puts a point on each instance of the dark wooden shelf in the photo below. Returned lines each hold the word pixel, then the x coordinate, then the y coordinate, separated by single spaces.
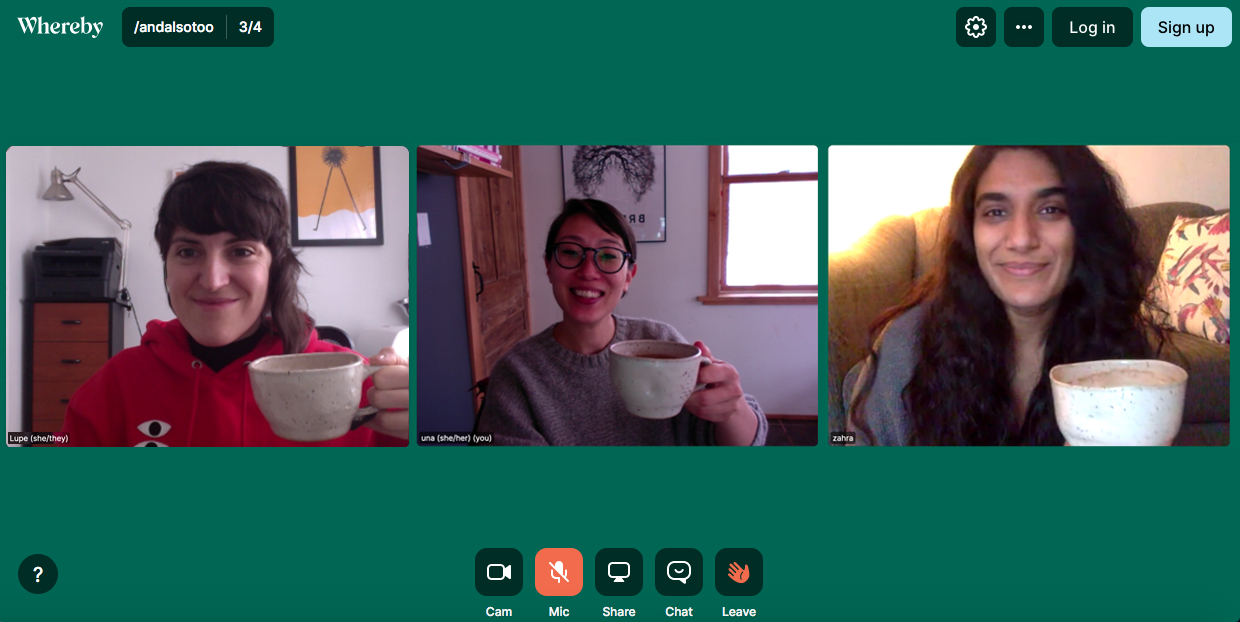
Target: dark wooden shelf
pixel 439 160
pixel 66 342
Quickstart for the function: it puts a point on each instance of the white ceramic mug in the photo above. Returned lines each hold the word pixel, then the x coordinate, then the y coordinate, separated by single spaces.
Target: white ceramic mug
pixel 1119 402
pixel 312 397
pixel 655 378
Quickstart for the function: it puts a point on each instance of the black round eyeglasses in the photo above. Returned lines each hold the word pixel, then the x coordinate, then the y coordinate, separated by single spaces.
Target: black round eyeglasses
pixel 607 259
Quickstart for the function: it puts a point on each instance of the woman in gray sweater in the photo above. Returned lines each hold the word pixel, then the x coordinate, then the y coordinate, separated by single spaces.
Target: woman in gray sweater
pixel 555 387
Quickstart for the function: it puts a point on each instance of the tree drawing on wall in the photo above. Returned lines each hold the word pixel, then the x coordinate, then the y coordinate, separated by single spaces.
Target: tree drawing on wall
pixel 334 158
pixel 635 163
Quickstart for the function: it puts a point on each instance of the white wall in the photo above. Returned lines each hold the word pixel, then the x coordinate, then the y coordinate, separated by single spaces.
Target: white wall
pixel 913 178
pixel 352 287
pixel 775 348
pixel 1168 173
pixel 27 178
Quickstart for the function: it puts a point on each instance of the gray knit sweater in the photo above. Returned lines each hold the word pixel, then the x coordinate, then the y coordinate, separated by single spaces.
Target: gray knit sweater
pixel 898 355
pixel 542 393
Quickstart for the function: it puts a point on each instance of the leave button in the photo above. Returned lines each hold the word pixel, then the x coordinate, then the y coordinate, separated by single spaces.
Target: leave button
pixel 1091 27
pixel 1186 27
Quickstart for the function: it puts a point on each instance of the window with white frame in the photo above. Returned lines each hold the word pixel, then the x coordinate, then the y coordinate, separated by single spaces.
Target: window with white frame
pixel 763 225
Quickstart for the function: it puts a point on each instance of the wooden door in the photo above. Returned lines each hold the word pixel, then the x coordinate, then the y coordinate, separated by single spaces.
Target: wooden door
pixel 493 245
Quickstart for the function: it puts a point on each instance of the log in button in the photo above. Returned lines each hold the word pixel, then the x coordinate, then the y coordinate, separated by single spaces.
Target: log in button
pixel 1091 27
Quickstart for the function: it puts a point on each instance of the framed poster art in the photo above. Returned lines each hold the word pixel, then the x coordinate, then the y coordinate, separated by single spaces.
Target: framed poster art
pixel 631 178
pixel 335 195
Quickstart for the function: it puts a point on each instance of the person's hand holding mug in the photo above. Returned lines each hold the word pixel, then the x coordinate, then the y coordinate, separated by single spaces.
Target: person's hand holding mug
pixel 722 401
pixel 390 393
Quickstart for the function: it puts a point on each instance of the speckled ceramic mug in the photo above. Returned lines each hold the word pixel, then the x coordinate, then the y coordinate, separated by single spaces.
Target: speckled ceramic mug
pixel 655 378
pixel 312 397
pixel 1139 402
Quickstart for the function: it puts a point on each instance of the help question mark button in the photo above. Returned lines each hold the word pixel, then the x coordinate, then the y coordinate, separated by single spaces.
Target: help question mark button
pixel 37 574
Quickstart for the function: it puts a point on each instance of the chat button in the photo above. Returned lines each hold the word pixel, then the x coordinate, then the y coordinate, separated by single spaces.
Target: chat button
pixel 1186 27
pixel 498 572
pixel 678 572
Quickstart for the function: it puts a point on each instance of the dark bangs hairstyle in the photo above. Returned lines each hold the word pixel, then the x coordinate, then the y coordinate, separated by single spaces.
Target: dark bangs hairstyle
pixel 608 219
pixel 960 393
pixel 214 197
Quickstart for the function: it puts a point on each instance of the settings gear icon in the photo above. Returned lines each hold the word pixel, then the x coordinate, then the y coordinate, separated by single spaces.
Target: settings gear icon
pixel 975 27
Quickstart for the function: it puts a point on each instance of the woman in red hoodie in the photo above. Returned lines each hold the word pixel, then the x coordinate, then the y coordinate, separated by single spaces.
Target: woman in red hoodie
pixel 231 277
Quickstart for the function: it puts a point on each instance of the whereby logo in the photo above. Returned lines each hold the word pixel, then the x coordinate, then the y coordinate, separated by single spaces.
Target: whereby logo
pixel 36 26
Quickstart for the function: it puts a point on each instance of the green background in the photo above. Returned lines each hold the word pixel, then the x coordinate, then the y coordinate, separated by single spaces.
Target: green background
pixel 884 534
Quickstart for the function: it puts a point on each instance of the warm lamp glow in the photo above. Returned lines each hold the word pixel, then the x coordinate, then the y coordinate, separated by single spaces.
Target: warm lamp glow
pixel 866 184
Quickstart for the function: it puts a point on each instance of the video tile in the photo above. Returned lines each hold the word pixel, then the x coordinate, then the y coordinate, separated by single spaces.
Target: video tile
pixel 169 296
pixel 617 295
pixel 1039 295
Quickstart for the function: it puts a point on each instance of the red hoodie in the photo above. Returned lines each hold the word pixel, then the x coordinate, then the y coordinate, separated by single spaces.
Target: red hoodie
pixel 158 394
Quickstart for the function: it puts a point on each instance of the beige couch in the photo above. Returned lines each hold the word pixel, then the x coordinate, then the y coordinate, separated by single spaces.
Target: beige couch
pixel 881 267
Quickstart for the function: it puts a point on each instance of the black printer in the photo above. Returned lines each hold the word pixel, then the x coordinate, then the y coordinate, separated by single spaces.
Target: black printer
pixel 77 268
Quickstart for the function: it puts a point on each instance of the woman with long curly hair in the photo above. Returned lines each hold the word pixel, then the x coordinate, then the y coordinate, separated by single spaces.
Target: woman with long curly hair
pixel 1038 267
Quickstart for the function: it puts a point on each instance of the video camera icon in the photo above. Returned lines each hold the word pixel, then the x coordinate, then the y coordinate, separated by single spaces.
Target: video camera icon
pixel 502 572
pixel 498 572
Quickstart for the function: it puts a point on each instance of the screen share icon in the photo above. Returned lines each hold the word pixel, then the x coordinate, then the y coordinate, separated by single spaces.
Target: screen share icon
pixel 618 572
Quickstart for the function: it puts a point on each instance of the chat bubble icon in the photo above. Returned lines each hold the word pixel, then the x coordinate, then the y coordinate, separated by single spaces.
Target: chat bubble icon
pixel 502 572
pixel 679 571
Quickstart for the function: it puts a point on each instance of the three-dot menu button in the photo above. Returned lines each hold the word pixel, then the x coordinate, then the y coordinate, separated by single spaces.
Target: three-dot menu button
pixel 1024 27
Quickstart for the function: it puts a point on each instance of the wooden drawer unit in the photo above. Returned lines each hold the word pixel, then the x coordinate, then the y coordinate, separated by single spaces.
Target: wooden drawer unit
pixel 71 321
pixel 51 397
pixel 68 360
pixel 69 342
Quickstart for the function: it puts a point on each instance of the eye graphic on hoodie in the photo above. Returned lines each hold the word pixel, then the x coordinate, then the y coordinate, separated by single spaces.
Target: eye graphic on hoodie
pixel 154 428
pixel 150 444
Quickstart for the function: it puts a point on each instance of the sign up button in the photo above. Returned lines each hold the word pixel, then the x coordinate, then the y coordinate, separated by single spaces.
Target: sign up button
pixel 1186 27
pixel 1091 27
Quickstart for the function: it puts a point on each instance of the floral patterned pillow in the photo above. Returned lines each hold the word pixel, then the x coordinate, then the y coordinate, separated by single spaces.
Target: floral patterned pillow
pixel 1193 283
